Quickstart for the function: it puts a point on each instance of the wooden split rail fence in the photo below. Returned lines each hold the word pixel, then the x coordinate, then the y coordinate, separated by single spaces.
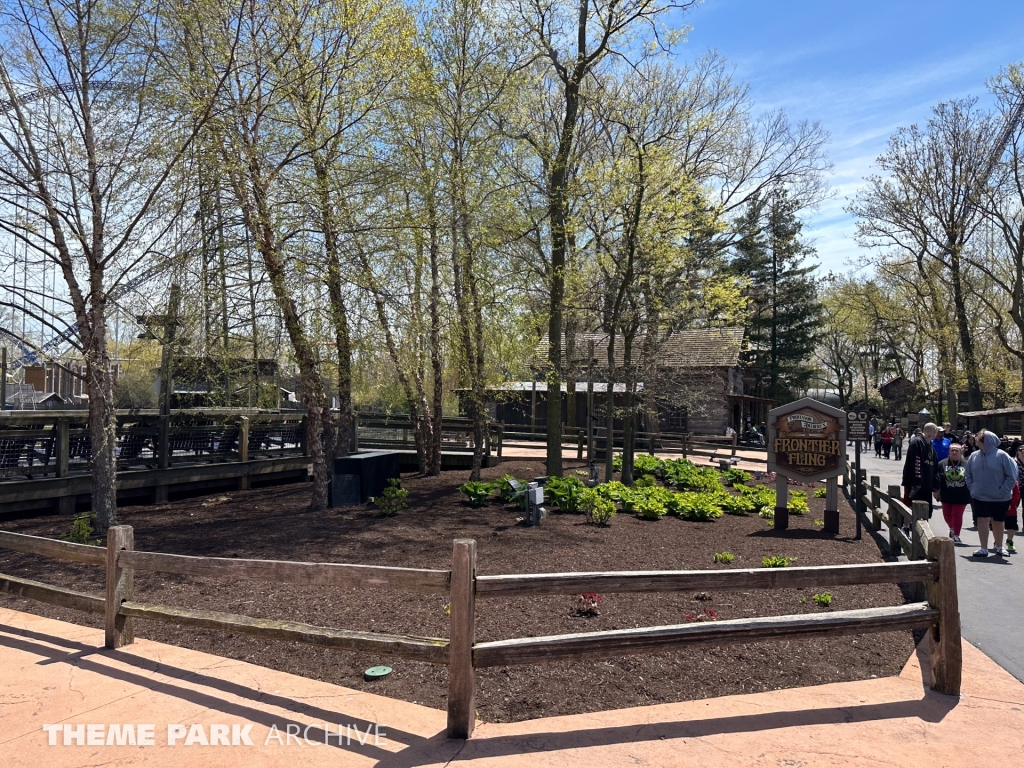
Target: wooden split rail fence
pixel 462 653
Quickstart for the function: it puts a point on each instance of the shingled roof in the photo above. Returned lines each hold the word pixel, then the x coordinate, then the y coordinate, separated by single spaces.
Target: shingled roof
pixel 701 348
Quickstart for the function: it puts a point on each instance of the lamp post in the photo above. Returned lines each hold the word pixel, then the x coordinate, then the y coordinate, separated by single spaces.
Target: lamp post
pixel 923 417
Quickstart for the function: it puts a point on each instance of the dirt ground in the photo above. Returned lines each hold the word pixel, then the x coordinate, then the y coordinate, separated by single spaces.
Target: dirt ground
pixel 274 524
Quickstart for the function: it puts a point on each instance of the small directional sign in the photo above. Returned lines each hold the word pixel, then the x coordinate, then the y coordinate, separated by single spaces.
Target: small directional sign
pixel 856 425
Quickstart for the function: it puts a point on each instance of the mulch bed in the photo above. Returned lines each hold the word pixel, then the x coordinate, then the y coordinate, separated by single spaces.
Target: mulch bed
pixel 274 524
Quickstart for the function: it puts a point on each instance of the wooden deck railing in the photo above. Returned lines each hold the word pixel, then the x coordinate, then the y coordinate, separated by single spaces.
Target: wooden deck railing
pixel 938 612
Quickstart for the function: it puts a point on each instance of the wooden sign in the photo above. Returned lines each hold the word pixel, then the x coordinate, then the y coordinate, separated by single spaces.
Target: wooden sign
pixel 807 442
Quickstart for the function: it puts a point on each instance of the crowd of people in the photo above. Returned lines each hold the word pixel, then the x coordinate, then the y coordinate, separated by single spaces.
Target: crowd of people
pixel 980 470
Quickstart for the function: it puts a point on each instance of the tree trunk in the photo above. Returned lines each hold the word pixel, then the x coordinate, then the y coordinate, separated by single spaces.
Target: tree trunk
pixel 339 428
pixel 629 410
pixel 102 414
pixel 571 325
pixel 436 361
pixel 964 330
pixel 256 213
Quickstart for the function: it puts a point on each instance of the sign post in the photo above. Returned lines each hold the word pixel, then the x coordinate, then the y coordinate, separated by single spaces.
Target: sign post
pixel 807 441
pixel 857 430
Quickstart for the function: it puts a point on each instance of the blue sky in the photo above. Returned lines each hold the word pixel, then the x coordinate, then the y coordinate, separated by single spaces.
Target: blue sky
pixel 862 69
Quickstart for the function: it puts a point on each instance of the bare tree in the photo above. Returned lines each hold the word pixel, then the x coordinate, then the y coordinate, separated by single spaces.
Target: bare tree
pixel 90 134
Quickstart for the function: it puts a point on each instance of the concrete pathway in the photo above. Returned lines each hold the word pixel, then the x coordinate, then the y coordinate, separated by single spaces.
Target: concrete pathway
pixel 60 693
pixel 991 590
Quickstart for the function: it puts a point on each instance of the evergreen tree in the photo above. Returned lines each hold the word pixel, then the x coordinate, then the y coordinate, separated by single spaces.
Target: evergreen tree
pixel 785 315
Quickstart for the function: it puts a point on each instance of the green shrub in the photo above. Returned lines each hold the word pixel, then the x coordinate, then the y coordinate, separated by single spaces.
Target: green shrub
pixel 504 486
pixel 776 561
pixel 736 505
pixel 798 503
pixel 824 599
pixel 566 492
pixel 599 510
pixel 820 523
pixel 698 507
pixel 761 496
pixel 820 493
pixel 767 513
pixel 617 462
pixel 394 499
pixel 647 481
pixel 724 557
pixel 686 475
pixel 736 476
pixel 649 507
pixel 477 492
pixel 82 531
pixel 645 465
pixel 613 490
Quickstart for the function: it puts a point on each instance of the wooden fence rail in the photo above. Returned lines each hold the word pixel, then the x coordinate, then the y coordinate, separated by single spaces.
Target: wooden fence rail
pixel 936 568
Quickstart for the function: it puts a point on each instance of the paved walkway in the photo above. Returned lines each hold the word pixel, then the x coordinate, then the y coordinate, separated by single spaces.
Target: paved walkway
pixel 991 590
pixel 54 673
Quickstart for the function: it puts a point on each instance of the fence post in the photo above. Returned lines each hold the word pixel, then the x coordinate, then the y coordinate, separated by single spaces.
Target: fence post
pixel 461 675
pixel 579 445
pixel 876 503
pixel 945 650
pixel 66 503
pixel 163 457
pixel 243 452
pixel 916 547
pixel 895 519
pixel 119 629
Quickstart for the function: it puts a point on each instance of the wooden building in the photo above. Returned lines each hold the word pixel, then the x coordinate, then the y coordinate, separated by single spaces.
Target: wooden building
pixel 699 384
pixel 1003 421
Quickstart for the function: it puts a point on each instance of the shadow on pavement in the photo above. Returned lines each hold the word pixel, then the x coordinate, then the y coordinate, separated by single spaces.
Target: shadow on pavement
pixel 933 707
pixel 80 658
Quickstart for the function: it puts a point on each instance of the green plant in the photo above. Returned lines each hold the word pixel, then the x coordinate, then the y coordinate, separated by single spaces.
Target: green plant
pixel 598 509
pixel 724 557
pixel 776 561
pixel 698 507
pixel 736 476
pixel 394 498
pixel 645 465
pixel 767 513
pixel 798 503
pixel 477 492
pixel 646 481
pixel 761 496
pixel 820 523
pixel 566 492
pixel 82 531
pixel 612 490
pixel 505 490
pixel 824 599
pixel 820 493
pixel 735 505
pixel 686 475
pixel 617 462
pixel 649 507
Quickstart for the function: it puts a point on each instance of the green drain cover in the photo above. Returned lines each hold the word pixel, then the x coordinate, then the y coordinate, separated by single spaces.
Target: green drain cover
pixel 376 673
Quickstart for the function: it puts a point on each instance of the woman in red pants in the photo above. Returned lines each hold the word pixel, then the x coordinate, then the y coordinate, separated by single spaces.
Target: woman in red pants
pixel 951 490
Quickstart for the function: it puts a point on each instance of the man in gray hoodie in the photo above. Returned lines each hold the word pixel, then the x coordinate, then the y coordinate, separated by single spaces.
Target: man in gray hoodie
pixel 990 476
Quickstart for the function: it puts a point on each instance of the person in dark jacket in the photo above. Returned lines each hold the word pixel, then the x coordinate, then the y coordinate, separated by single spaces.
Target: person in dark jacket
pixel 951 490
pixel 919 468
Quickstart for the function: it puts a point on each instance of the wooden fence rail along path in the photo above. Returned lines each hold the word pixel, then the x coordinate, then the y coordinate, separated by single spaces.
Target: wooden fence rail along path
pixel 937 611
